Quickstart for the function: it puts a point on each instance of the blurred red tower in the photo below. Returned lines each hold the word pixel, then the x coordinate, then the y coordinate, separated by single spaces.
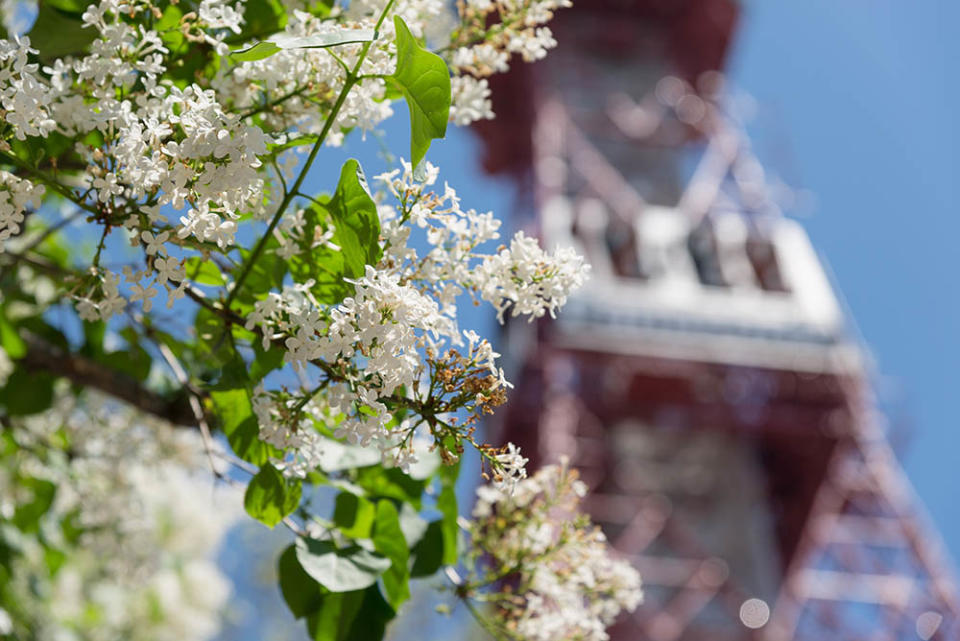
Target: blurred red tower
pixel 704 381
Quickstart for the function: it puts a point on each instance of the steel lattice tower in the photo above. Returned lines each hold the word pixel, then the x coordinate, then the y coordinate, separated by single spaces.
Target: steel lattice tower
pixel 704 381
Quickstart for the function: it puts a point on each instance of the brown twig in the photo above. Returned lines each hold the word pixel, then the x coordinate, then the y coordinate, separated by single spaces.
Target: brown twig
pixel 42 356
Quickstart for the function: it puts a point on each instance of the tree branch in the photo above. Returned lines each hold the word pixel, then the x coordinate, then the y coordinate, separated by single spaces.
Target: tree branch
pixel 43 356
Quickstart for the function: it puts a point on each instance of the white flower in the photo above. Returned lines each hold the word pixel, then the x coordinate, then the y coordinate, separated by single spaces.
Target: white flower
pixel 532 44
pixel 168 269
pixel 15 195
pixel 107 187
pixel 512 468
pixel 565 583
pixel 145 294
pixel 132 484
pixel 528 279
pixel 470 100
pixel 154 242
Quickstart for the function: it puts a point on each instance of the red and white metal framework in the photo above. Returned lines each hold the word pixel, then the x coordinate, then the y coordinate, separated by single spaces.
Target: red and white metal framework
pixel 704 381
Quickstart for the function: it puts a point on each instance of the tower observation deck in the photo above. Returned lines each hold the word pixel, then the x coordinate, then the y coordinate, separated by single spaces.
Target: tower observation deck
pixel 704 381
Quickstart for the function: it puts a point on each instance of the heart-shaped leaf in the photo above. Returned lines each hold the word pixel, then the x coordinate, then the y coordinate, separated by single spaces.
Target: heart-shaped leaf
pixel 424 80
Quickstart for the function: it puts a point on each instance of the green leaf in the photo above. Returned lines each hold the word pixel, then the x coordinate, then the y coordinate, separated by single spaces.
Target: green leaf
pixel 370 624
pixel 302 594
pixel 322 8
pixel 69 6
pixel 260 18
pixel 27 392
pixel 284 41
pixel 259 51
pixel 167 27
pixel 391 483
pixel 57 33
pixel 232 374
pixel 27 514
pixel 340 570
pixel 54 559
pixel 10 339
pixel 46 331
pixel 424 80
pixel 213 345
pixel 354 515
pixel 270 497
pixel 204 271
pixel 361 615
pixel 93 335
pixel 240 425
pixel 336 614
pixel 389 541
pixel 356 221
pixel 264 362
pixel 412 524
pixel 428 552
pixel 133 361
pixel 447 504
pixel 322 264
pixel 266 274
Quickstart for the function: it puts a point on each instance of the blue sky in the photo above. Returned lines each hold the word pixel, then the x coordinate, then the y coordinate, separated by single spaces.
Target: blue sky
pixel 857 102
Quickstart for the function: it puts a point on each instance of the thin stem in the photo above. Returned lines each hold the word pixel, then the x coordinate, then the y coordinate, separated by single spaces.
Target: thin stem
pixel 51 230
pixel 485 623
pixel 283 181
pixel 195 406
pixel 101 245
pixel 269 105
pixel 309 396
pixel 310 198
pixel 351 80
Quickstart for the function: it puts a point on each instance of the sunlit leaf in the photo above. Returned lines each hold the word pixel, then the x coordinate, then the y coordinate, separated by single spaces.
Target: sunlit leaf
pixel 240 425
pixel 361 615
pixel 204 271
pixel 356 221
pixel 354 515
pixel 447 504
pixel 283 42
pixel 389 541
pixel 424 80
pixel 270 497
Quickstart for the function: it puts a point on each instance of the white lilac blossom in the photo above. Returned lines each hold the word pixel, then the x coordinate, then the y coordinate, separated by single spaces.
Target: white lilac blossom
pixel 193 152
pixel 564 582
pixel 302 445
pixel 148 520
pixel 470 100
pixel 513 468
pixel 280 76
pixel 24 96
pixel 188 148
pixel 527 280
pixel 398 329
pixel 490 33
pixel 16 194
